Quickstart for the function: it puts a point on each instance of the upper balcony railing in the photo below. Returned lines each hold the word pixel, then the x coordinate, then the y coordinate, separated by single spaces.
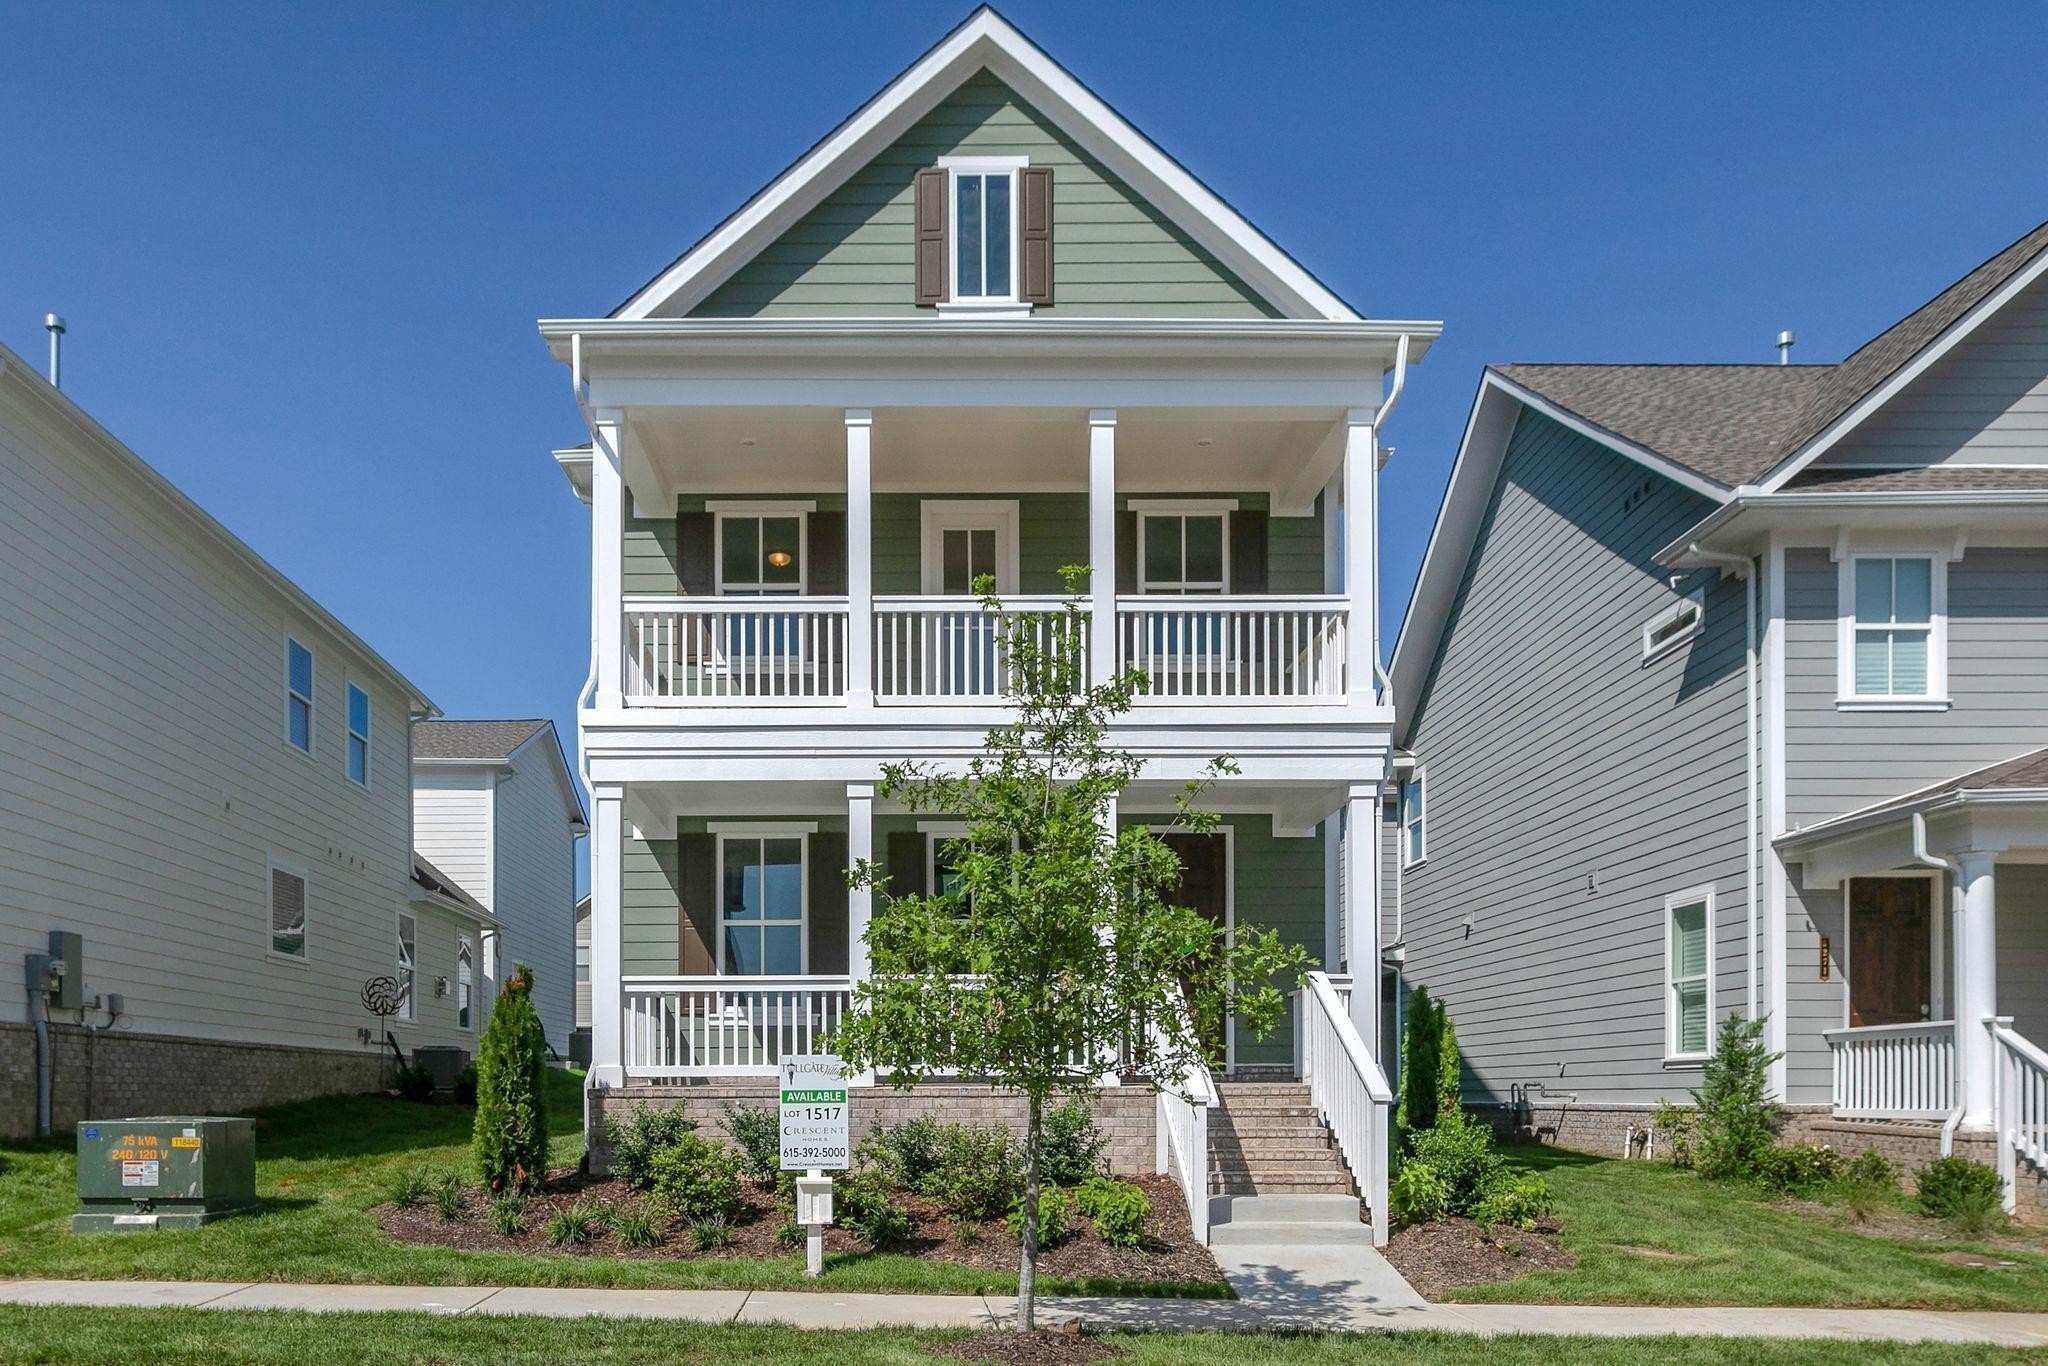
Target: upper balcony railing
pixel 1234 649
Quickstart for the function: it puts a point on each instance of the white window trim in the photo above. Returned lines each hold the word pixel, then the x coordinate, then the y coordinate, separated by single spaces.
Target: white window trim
pixel 1694 603
pixel 720 509
pixel 800 832
pixel 1937 993
pixel 983 305
pixel 312 712
pixel 348 732
pixel 464 941
pixel 1416 781
pixel 1936 697
pixel 412 997
pixel 1672 1053
pixel 937 516
pixel 276 864
pixel 1148 508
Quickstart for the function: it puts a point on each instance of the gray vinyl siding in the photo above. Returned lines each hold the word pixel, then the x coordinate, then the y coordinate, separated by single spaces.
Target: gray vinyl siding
pixel 1837 761
pixel 1114 255
pixel 534 886
pixel 1571 786
pixel 1985 402
pixel 1389 827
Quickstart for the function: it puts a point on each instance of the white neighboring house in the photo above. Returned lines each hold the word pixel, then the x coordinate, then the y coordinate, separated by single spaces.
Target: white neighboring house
pixel 204 775
pixel 580 1040
pixel 497 811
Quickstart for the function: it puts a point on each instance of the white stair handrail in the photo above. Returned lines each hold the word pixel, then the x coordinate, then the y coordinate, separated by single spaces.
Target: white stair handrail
pixel 2019 1081
pixel 1181 1142
pixel 1348 1089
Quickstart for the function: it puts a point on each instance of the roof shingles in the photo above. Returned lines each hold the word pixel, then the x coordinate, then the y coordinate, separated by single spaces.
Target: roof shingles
pixel 486 741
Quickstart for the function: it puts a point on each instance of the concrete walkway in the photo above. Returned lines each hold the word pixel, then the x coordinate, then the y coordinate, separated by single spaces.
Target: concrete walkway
pixel 826 1310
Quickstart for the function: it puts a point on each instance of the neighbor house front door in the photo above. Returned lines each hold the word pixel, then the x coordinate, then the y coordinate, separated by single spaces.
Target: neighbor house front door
pixel 1891 950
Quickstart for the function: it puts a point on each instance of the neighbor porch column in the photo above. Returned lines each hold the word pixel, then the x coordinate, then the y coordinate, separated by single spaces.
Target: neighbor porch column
pixel 1101 544
pixel 1976 967
pixel 1361 573
pixel 1362 910
pixel 607 548
pixel 607 830
pixel 860 547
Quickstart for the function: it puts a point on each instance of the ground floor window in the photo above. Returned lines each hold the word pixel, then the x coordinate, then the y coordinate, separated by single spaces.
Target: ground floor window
pixel 465 982
pixel 408 965
pixel 1689 937
pixel 761 905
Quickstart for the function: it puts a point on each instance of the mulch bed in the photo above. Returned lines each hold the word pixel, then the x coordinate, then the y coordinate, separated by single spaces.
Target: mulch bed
pixel 1168 1255
pixel 1443 1257
pixel 1045 1347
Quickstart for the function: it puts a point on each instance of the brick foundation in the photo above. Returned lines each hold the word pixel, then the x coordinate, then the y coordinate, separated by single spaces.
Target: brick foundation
pixel 1124 1114
pixel 119 1073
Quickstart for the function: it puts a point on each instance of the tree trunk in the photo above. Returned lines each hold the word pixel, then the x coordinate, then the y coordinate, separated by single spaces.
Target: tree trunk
pixel 1027 1273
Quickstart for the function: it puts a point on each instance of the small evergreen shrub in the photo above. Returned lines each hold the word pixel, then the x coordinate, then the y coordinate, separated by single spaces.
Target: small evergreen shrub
pixel 411 1189
pixel 636 1140
pixel 1422 1042
pixel 711 1235
pixel 697 1179
pixel 789 1234
pixel 1737 1121
pixel 508 1215
pixel 510 1132
pixel 636 1229
pixel 413 1083
pixel 866 1207
pixel 1798 1168
pixel 1967 1194
pixel 980 1171
pixel 911 1152
pixel 1461 1152
pixel 757 1130
pixel 1450 1064
pixel 1055 1216
pixel 1518 1201
pixel 1117 1208
pixel 576 1226
pixel 1871 1168
pixel 1070 1147
pixel 448 1198
pixel 1418 1194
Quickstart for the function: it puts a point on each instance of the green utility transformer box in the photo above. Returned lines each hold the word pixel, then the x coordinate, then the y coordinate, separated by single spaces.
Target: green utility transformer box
pixel 164 1171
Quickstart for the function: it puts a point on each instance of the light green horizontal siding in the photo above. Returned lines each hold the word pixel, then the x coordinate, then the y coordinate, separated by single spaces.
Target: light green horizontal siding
pixel 1294 553
pixel 648 555
pixel 650 895
pixel 1278 885
pixel 1114 254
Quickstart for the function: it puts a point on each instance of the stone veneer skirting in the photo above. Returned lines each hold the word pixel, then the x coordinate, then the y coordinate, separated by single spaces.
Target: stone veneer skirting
pixel 1124 1114
pixel 117 1073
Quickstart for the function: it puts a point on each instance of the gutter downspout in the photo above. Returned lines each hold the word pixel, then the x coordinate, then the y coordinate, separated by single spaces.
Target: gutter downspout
pixel 1955 930
pixel 581 392
pixel 1745 569
pixel 1379 422
pixel 39 1012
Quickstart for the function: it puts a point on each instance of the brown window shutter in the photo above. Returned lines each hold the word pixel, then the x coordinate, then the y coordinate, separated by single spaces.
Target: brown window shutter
pixel 827 549
pixel 828 902
pixel 1127 552
pixel 1034 235
pixel 697 911
pixel 696 549
pixel 907 863
pixel 1248 552
pixel 929 234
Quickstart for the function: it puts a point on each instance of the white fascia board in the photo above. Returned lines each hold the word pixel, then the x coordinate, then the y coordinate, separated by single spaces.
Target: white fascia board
pixel 987 40
pixel 1884 393
pixel 422 896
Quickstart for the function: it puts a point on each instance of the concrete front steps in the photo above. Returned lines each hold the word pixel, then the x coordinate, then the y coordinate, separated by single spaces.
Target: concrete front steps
pixel 1273 1220
pixel 1265 1139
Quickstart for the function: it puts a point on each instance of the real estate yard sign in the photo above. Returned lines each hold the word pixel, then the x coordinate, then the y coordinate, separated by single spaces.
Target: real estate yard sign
pixel 814 1118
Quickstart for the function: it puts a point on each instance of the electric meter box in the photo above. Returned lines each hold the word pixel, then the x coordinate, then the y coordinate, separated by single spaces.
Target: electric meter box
pixel 163 1171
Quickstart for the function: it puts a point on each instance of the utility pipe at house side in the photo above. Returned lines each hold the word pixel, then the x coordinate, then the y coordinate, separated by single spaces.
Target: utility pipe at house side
pixel 1745 569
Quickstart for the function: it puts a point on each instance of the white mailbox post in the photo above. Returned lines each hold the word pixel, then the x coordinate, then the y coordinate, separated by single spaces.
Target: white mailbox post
pixel 815 1140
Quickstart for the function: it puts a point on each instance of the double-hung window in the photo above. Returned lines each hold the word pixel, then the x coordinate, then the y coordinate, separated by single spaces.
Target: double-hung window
pixel 408 965
pixel 760 553
pixel 465 982
pixel 761 905
pixel 287 911
pixel 1183 552
pixel 984 233
pixel 1893 638
pixel 298 696
pixel 358 736
pixel 1688 975
pixel 1413 845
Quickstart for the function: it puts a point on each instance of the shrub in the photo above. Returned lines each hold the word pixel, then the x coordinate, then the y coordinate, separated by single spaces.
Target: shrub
pixel 911 1152
pixel 1460 1152
pixel 576 1225
pixel 1450 1081
pixel 1518 1201
pixel 1418 1194
pixel 412 1083
pixel 697 1178
pixel 1422 1042
pixel 1055 1216
pixel 1675 1125
pixel 711 1235
pixel 1069 1145
pixel 635 1142
pixel 508 1214
pixel 979 1171
pixel 1118 1209
pixel 757 1129
pixel 1737 1119
pixel 789 1234
pixel 866 1207
pixel 636 1229
pixel 1798 1168
pixel 1967 1194
pixel 510 1133
pixel 1871 1168
pixel 465 1085
pixel 448 1198
pixel 411 1189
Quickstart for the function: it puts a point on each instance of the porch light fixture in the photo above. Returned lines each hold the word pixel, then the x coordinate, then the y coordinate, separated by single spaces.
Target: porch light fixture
pixel 779 558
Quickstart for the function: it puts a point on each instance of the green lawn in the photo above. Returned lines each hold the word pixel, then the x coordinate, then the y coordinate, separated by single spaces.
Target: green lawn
pixel 1737 1248
pixel 322 1164
pixel 246 1336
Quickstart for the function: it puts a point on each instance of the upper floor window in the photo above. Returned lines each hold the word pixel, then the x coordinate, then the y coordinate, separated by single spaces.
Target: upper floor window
pixel 358 735
pixel 298 695
pixel 1414 847
pixel 465 982
pixel 1183 552
pixel 760 552
pixel 984 233
pixel 1893 636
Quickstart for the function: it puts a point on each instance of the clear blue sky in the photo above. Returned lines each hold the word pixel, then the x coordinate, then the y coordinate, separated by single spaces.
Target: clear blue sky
pixel 302 248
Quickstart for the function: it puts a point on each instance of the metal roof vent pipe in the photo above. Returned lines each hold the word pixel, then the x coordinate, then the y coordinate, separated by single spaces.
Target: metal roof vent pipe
pixel 54 325
pixel 1785 341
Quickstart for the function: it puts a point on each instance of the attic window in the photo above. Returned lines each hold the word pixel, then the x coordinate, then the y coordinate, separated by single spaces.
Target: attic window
pixel 1674 626
pixel 984 235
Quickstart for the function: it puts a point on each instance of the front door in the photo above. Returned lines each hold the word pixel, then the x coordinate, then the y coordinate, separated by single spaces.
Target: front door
pixel 965 541
pixel 1204 887
pixel 1891 950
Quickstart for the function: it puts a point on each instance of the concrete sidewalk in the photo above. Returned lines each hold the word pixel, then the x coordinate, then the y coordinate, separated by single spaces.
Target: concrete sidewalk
pixel 824 1309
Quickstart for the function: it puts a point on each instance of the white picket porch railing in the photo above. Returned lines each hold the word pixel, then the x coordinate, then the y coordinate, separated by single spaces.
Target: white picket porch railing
pixel 1905 1071
pixel 952 650
pixel 1180 1142
pixel 1347 1089
pixel 694 651
pixel 726 1026
pixel 2019 1074
pixel 1205 649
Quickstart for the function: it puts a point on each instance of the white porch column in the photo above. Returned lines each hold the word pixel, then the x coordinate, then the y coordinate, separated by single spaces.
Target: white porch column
pixel 607 545
pixel 1976 995
pixel 606 955
pixel 1362 910
pixel 1361 572
pixel 1102 543
pixel 860 548
pixel 860 901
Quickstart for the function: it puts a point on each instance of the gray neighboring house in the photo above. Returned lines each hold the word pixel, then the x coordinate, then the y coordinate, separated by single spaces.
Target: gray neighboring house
pixel 1722 689
pixel 497 810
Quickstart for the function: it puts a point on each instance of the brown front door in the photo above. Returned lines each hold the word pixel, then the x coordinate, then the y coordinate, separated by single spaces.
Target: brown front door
pixel 1891 956
pixel 1204 887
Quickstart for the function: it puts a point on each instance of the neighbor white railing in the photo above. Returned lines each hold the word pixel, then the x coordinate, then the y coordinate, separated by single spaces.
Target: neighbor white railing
pixel 953 650
pixel 2019 1073
pixel 738 650
pixel 1180 1143
pixel 1347 1089
pixel 1904 1071
pixel 1221 649
pixel 726 1026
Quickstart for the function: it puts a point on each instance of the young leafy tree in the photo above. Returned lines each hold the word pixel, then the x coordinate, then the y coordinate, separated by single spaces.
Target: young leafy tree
pixel 510 1133
pixel 1059 939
